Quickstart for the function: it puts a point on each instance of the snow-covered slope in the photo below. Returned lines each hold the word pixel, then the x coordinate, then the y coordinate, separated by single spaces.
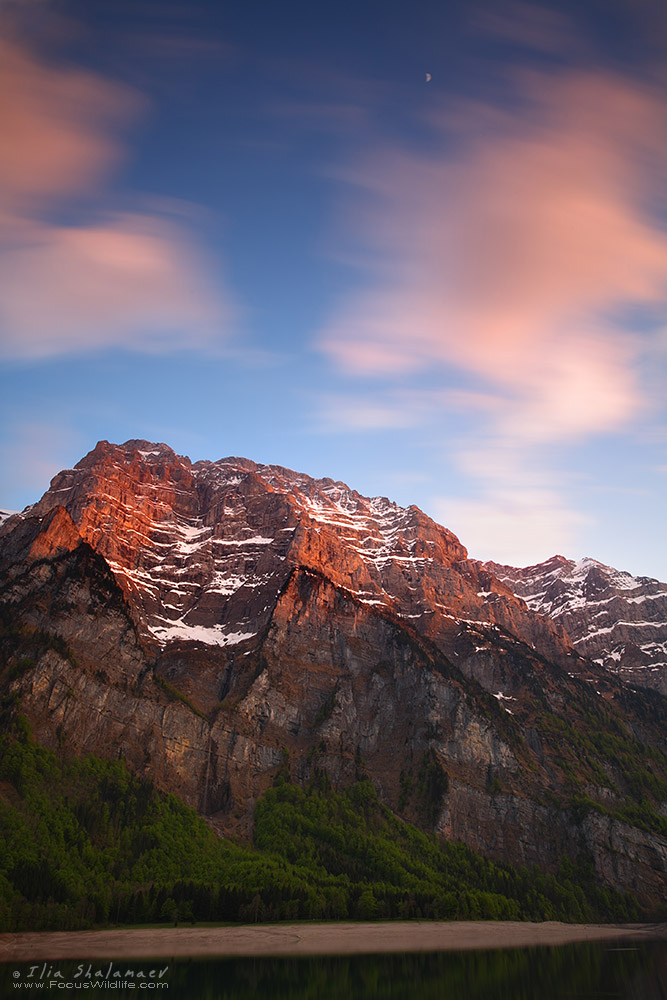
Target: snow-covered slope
pixel 617 619
pixel 204 550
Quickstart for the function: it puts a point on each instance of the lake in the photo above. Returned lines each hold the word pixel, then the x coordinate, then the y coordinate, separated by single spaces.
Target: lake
pixel 631 971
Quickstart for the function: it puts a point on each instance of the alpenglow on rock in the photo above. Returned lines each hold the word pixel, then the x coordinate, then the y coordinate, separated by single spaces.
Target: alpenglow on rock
pixel 202 551
pixel 219 623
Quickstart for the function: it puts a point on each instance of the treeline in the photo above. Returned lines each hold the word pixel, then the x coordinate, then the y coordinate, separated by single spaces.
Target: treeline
pixel 384 867
pixel 85 843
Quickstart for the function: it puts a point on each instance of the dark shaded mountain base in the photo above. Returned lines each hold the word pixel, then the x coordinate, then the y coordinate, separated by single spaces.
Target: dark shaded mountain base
pixel 86 842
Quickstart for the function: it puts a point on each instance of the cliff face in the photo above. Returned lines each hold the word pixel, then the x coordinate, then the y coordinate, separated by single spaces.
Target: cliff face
pixel 202 551
pixel 616 619
pixel 226 620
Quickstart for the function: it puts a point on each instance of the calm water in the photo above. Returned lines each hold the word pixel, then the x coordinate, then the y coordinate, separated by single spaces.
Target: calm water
pixel 576 972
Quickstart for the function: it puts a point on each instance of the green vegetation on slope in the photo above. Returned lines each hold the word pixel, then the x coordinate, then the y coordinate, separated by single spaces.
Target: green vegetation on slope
pixel 385 867
pixel 602 752
pixel 86 842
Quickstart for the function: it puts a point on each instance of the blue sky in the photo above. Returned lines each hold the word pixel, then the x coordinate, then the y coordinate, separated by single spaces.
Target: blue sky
pixel 417 247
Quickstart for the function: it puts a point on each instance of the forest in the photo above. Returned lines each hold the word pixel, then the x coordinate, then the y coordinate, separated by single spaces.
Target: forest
pixel 87 843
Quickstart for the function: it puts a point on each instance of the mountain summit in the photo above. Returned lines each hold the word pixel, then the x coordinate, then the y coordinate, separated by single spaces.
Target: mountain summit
pixel 222 623
pixel 203 551
pixel 619 620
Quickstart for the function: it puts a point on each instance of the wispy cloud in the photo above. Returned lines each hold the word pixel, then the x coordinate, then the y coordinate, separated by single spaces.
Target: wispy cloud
pixel 392 409
pixel 513 258
pixel 529 25
pixel 325 116
pixel 130 281
pixel 517 510
pixel 119 279
pixel 520 526
pixel 59 126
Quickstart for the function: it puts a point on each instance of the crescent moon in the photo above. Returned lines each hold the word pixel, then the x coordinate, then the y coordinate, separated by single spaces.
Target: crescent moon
pixel 428 77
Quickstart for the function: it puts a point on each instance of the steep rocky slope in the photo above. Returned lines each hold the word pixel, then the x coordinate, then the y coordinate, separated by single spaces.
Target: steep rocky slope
pixel 219 622
pixel 203 551
pixel 616 619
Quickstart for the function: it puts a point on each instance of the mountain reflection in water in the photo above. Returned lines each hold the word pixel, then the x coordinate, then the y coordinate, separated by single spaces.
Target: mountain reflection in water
pixel 585 971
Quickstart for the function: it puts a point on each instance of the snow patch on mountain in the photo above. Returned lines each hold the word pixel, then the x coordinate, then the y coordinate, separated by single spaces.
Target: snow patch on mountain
pixel 616 619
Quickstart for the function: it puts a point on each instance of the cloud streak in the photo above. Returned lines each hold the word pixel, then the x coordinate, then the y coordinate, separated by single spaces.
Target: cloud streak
pixel 58 128
pixel 130 281
pixel 121 279
pixel 513 259
pixel 509 260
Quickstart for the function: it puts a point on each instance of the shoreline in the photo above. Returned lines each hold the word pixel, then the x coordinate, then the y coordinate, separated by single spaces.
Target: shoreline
pixel 293 940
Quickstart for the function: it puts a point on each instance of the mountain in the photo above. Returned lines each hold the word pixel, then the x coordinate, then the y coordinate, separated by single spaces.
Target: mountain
pixel 616 619
pixel 202 552
pixel 218 624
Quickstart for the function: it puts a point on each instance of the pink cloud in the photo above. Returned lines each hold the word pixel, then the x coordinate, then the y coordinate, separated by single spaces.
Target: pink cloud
pixel 122 279
pixel 57 126
pixel 505 259
pixel 133 281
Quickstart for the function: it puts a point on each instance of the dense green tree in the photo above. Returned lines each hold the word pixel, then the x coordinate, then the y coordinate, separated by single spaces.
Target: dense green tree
pixel 86 842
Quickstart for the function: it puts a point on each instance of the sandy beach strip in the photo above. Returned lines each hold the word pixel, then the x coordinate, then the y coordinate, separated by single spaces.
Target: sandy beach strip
pixel 256 940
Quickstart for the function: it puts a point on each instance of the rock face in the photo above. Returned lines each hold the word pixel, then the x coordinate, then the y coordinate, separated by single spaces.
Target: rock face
pixel 616 619
pixel 220 621
pixel 202 552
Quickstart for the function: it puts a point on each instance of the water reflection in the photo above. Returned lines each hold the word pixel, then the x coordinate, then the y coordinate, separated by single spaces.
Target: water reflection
pixel 633 972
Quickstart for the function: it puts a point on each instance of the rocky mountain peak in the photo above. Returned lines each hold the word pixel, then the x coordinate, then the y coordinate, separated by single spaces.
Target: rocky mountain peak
pixel 616 619
pixel 203 550
pixel 215 620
